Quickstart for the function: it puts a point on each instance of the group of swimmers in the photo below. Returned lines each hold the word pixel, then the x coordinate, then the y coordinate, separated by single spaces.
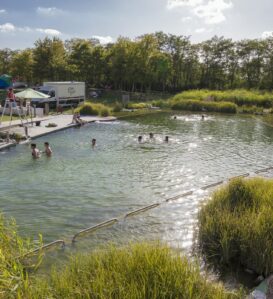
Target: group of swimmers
pixel 36 153
pixel 151 137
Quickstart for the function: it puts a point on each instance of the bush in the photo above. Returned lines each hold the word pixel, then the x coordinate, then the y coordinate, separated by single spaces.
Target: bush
pixel 239 97
pixel 138 105
pixel 136 271
pixel 89 108
pixel 237 223
pixel 196 105
pixel 117 107
pixel 161 103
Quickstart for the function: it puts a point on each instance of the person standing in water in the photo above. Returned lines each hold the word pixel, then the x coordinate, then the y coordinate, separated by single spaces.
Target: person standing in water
pixel 34 151
pixel 139 139
pixel 48 150
pixel 166 139
pixel 94 141
pixel 151 136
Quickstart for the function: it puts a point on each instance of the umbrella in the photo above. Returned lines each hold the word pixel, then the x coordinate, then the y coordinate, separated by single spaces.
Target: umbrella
pixel 5 81
pixel 30 93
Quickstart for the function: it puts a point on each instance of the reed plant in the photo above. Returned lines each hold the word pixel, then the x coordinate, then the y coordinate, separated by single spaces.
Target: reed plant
pixel 89 108
pixel 197 105
pixel 141 271
pixel 238 96
pixel 236 225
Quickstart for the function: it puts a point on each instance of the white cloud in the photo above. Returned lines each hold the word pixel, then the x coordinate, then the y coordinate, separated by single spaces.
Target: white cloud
pixel 267 34
pixel 9 28
pixel 2 11
pixel 49 31
pixel 104 39
pixel 211 11
pixel 202 30
pixel 181 3
pixel 49 11
pixel 186 19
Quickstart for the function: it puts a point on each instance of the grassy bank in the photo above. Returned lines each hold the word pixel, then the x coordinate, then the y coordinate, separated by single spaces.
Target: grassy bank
pixel 135 271
pixel 235 227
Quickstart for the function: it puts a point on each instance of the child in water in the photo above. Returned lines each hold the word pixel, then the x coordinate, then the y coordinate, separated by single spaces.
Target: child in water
pixel 48 150
pixel 34 151
pixel 94 141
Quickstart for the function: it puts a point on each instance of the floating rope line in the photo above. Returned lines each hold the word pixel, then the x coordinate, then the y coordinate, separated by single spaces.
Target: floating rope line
pixel 240 176
pixel 142 210
pixel 44 247
pixel 94 228
pixel 113 221
pixel 179 196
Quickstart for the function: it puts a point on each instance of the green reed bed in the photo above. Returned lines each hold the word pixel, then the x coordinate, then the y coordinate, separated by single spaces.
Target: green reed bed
pixel 135 271
pixel 196 105
pixel 239 97
pixel 236 226
pixel 89 108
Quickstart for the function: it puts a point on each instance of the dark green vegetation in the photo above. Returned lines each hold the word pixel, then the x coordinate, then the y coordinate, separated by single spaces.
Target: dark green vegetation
pixel 89 108
pixel 134 271
pixel 236 226
pixel 158 61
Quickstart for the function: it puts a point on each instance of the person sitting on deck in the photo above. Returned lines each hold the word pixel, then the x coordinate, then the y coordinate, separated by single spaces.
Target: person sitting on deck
pixel 48 150
pixel 34 151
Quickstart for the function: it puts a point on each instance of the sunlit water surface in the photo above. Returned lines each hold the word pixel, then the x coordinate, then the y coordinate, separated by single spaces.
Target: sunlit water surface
pixel 79 186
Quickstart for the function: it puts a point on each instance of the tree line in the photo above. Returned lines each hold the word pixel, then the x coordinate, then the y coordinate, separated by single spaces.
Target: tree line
pixel 158 61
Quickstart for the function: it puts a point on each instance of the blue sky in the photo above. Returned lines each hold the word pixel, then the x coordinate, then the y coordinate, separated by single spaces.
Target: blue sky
pixel 24 21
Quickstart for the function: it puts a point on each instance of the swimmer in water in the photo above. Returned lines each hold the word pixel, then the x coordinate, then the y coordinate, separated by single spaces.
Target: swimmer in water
pixel 34 151
pixel 94 142
pixel 151 136
pixel 48 150
pixel 203 117
pixel 139 139
pixel 175 117
pixel 166 139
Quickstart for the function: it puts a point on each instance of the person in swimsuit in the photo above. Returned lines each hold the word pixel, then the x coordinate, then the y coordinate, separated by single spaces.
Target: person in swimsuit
pixel 94 142
pixel 48 150
pixel 34 151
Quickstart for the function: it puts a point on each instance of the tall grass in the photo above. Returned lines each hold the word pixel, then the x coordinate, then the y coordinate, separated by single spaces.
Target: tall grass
pixel 13 274
pixel 135 271
pixel 196 105
pixel 238 96
pixel 89 108
pixel 236 226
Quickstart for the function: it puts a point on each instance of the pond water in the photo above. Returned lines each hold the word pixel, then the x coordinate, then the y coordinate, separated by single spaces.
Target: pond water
pixel 79 186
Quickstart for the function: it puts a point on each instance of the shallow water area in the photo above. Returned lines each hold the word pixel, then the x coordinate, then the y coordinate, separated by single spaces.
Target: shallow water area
pixel 81 186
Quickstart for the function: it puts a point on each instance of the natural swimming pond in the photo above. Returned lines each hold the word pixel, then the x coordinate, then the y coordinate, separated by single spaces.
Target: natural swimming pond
pixel 79 186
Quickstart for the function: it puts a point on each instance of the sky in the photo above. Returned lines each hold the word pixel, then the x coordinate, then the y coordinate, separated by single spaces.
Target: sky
pixel 22 22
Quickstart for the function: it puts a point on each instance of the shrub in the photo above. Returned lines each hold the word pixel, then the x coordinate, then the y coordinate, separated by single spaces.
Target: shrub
pixel 135 271
pixel 89 108
pixel 237 223
pixel 117 107
pixel 196 105
pixel 238 96
pixel 139 105
pixel 161 103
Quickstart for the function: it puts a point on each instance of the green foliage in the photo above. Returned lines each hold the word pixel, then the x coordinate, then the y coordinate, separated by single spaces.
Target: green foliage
pixel 239 96
pixel 236 225
pixel 196 105
pixel 135 271
pixel 13 275
pixel 138 105
pixel 161 103
pixel 89 108
pixel 117 107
